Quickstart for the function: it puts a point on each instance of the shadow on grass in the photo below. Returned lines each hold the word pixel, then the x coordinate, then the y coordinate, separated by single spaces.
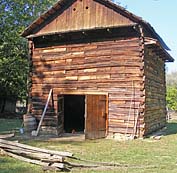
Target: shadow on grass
pixel 10 165
pixel 45 142
pixel 171 128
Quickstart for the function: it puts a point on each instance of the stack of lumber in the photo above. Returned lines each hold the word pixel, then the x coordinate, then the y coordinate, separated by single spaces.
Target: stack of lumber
pixel 47 158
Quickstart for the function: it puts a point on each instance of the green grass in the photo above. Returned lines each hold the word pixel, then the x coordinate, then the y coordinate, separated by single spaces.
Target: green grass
pixel 9 125
pixel 10 165
pixel 142 156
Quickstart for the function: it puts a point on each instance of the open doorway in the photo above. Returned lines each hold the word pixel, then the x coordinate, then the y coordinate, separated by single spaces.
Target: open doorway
pixel 74 113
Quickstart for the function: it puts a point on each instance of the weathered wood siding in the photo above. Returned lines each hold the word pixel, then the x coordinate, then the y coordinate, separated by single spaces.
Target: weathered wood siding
pixel 96 125
pixel 113 67
pixel 84 14
pixel 155 89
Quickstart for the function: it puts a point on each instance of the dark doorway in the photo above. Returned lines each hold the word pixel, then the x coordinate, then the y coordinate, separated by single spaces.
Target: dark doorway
pixel 74 111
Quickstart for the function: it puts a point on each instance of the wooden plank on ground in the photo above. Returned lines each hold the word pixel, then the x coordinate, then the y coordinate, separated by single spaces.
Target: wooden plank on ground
pixel 23 146
pixel 4 136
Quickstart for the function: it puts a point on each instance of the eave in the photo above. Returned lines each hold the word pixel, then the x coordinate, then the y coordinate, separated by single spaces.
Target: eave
pixel 160 51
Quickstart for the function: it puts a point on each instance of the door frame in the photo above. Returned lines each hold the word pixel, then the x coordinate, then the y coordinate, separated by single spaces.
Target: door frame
pixel 90 93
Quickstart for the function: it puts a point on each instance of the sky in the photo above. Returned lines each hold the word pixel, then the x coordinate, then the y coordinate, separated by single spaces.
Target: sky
pixel 162 15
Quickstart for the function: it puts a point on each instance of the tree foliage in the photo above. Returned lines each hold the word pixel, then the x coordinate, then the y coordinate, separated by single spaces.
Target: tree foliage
pixel 15 16
pixel 172 91
pixel 172 97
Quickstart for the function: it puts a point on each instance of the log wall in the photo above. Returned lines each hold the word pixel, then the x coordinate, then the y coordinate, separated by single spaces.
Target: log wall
pixel 155 89
pixel 111 67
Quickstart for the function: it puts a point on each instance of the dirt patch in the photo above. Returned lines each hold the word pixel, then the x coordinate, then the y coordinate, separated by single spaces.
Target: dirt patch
pixel 65 137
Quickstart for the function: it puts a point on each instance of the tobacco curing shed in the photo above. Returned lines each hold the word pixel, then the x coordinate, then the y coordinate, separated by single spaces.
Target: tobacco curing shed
pixel 105 65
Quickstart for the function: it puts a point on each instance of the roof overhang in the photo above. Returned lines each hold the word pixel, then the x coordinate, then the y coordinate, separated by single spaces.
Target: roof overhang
pixel 85 36
pixel 110 30
pixel 159 50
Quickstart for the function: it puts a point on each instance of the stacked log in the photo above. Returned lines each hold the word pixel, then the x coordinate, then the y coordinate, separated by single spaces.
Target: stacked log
pixel 155 110
pixel 96 67
pixel 9 135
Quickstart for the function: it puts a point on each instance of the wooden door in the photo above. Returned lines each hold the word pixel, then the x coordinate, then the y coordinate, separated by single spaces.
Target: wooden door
pixel 96 116
pixel 60 114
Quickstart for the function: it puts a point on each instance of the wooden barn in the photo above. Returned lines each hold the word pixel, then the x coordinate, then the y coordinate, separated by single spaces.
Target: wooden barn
pixel 105 66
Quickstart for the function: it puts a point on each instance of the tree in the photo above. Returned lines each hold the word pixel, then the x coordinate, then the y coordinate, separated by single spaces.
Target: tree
pixel 15 16
pixel 172 97
pixel 172 79
pixel 172 91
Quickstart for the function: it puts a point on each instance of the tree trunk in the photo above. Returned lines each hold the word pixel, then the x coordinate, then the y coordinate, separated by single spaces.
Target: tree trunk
pixel 3 104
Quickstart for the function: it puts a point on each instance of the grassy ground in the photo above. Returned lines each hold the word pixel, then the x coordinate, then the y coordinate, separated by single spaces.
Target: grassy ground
pixel 141 156
pixel 9 125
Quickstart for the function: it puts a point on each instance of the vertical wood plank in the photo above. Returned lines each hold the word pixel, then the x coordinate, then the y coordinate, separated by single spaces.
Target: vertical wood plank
pixel 71 20
pixel 100 16
pixel 61 22
pixel 109 16
pixel 105 16
pixel 96 122
pixel 86 13
pixel 116 20
pixel 107 113
pixel 92 14
pixel 77 15
pixel 97 23
pixel 96 116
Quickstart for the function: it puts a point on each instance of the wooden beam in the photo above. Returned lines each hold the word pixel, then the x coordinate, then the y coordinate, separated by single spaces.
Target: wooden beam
pixel 82 92
pixel 150 41
pixel 23 146
pixel 37 162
